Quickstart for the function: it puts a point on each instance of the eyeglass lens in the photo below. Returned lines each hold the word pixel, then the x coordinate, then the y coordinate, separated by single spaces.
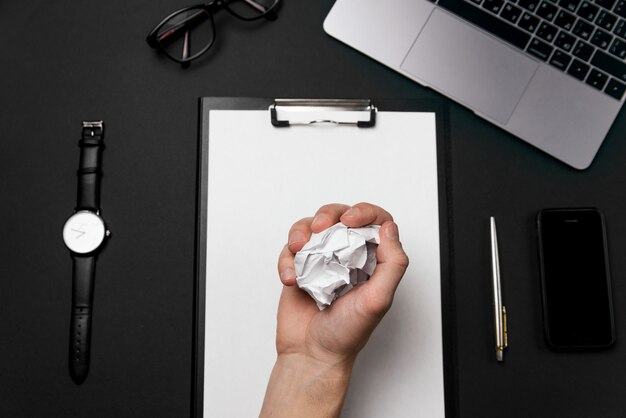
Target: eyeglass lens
pixel 250 9
pixel 191 32
pixel 186 34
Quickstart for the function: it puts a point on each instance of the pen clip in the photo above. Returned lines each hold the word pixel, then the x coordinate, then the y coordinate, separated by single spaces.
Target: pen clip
pixel 504 328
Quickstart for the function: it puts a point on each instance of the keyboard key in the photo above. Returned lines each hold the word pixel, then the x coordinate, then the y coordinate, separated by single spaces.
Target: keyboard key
pixel 620 28
pixel 546 31
pixel 587 11
pixel 488 22
pixel 560 60
pixel 528 22
pixel 601 39
pixel 570 5
pixel 606 20
pixel 539 49
pixel 578 69
pixel 564 41
pixel 493 6
pixel 583 50
pixel 510 12
pixel 615 89
pixel 607 4
pixel 620 8
pixel 611 65
pixel 529 4
pixel 597 79
pixel 564 20
pixel 546 10
pixel 477 1
pixel 582 29
pixel 618 48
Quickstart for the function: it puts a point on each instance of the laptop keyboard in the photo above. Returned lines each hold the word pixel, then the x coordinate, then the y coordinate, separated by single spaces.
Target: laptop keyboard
pixel 583 38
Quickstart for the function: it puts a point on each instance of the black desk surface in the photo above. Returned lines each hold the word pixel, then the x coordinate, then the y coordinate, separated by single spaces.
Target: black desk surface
pixel 64 62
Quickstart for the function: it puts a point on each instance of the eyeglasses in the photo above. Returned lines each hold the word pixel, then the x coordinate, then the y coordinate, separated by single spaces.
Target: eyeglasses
pixel 173 35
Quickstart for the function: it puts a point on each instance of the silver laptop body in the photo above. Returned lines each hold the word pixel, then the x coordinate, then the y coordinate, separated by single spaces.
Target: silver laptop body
pixel 514 89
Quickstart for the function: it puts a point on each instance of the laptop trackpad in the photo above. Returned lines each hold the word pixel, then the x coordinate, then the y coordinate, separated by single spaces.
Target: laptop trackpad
pixel 469 66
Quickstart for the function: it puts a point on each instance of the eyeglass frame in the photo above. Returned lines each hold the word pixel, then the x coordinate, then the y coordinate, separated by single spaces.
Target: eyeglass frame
pixel 210 9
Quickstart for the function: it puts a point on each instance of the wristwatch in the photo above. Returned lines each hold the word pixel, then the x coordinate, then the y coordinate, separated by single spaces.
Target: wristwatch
pixel 84 234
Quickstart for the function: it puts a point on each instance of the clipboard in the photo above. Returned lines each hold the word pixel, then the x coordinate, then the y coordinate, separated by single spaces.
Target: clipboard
pixel 283 116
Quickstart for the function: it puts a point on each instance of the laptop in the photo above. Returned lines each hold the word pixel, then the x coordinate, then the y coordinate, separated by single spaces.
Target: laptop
pixel 551 72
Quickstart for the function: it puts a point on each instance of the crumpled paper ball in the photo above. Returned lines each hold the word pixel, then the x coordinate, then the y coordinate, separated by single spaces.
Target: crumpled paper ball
pixel 335 260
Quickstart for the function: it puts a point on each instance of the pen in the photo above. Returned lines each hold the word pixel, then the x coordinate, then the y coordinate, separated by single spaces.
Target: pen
pixel 499 309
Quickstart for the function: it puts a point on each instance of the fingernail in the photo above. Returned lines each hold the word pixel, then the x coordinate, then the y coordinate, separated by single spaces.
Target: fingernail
pixel 391 231
pixel 288 274
pixel 296 236
pixel 352 212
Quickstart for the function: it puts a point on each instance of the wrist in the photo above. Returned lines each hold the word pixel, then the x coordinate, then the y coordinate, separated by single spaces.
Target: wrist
pixel 307 387
pixel 320 368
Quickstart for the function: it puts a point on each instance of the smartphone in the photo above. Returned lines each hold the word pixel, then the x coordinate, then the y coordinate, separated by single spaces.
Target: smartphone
pixel 575 279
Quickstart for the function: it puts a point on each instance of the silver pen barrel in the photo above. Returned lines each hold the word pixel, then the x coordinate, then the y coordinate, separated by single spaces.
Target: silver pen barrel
pixel 499 310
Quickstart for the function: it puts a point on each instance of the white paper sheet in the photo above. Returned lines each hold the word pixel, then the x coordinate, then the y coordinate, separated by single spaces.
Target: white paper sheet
pixel 260 181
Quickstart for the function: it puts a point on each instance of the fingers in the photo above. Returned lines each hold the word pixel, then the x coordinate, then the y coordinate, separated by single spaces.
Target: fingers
pixel 363 214
pixel 299 234
pixel 286 270
pixel 327 216
pixel 358 215
pixel 392 262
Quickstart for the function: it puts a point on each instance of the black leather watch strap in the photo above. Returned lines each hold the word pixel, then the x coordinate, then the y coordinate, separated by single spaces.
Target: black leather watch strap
pixel 80 324
pixel 89 172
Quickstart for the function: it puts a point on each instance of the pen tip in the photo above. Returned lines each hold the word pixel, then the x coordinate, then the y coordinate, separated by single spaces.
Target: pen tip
pixel 499 355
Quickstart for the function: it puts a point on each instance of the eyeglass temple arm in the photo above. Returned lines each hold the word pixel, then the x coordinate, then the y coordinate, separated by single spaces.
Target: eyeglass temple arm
pixel 256 5
pixel 184 26
pixel 186 46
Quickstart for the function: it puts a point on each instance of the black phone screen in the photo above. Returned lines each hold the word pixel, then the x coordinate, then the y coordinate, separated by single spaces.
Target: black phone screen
pixel 575 278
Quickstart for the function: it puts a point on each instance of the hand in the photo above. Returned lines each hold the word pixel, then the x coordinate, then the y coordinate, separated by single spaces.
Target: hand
pixel 316 349
pixel 339 332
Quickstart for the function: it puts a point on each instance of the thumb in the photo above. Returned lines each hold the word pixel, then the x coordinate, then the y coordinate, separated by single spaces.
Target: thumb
pixel 392 262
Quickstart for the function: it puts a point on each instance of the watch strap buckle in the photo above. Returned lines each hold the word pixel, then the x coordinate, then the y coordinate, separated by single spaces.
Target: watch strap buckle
pixel 92 129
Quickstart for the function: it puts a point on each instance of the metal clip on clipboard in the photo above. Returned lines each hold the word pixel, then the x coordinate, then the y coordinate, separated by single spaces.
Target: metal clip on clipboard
pixel 287 112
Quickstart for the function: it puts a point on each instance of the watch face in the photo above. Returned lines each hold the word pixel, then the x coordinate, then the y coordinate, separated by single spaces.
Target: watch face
pixel 83 232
